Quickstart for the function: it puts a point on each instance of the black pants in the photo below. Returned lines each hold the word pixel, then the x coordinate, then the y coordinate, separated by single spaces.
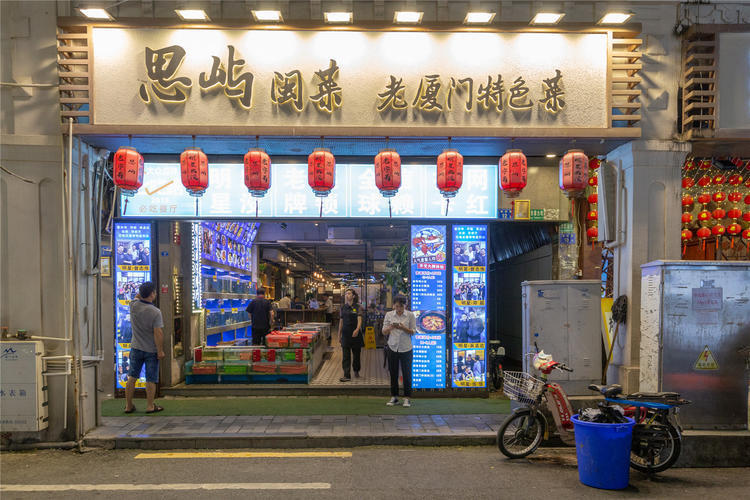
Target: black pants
pixel 350 357
pixel 404 360
pixel 259 335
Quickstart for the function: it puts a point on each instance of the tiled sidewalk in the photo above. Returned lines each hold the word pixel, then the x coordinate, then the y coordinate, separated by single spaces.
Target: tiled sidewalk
pixel 293 431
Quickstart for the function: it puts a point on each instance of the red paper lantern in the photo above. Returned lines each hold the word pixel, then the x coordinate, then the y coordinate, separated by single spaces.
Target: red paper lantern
pixel 719 196
pixel 592 215
pixel 718 230
pixel 747 183
pixel 592 233
pixel 719 213
pixel 746 217
pixel 321 172
pixel 747 199
pixel 127 170
pixel 703 233
pixel 450 172
pixel 734 213
pixel 593 180
pixel 746 234
pixel 689 164
pixel 704 216
pixel 687 234
pixel 734 196
pixel 704 198
pixel 194 170
pixel 688 182
pixel 595 163
pixel 687 218
pixel 719 179
pixel 594 198
pixel 687 200
pixel 513 170
pixel 704 164
pixel 735 180
pixel 388 172
pixel 704 181
pixel 257 172
pixel 734 229
pixel 574 173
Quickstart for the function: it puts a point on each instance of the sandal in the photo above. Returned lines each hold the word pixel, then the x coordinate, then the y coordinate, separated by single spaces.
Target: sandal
pixel 156 409
pixel 132 410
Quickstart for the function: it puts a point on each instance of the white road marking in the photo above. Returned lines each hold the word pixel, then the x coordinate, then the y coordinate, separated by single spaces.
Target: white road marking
pixel 167 486
pixel 247 454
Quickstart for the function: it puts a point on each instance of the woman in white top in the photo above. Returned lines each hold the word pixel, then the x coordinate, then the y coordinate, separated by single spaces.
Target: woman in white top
pixel 399 325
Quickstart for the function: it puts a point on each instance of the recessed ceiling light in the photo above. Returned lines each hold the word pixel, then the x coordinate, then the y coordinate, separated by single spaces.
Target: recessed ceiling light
pixel 338 17
pixel 268 16
pixel 615 18
pixel 547 18
pixel 551 155
pixel 96 13
pixel 479 17
pixel 192 14
pixel 407 17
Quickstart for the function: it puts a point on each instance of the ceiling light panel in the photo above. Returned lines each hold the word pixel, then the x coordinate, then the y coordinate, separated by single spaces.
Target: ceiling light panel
pixel 547 18
pixel 479 17
pixel 267 16
pixel 192 14
pixel 408 17
pixel 96 13
pixel 615 18
pixel 338 17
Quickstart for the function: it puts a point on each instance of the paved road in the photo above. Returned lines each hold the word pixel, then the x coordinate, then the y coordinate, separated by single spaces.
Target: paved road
pixel 375 472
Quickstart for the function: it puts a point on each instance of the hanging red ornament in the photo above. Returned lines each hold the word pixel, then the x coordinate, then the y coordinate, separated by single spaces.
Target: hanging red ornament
pixel 687 234
pixel 704 164
pixel 594 198
pixel 702 234
pixel 746 217
pixel 734 196
pixel 688 182
pixel 574 173
pixel 127 169
pixel 321 173
pixel 592 215
pixel 388 174
pixel 734 229
pixel 719 196
pixel 450 174
pixel 747 199
pixel 735 180
pixel 734 213
pixel 513 172
pixel 687 218
pixel 747 183
pixel 704 216
pixel 593 180
pixel 257 174
pixel 719 179
pixel 704 181
pixel 194 173
pixel 687 200
pixel 718 214
pixel 746 237
pixel 592 233
pixel 595 163
pixel 718 230
pixel 689 165
pixel 704 198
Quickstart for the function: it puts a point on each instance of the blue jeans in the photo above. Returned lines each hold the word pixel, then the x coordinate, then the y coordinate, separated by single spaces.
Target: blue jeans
pixel 138 358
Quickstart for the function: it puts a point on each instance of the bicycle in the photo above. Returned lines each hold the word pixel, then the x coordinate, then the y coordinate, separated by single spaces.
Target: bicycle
pixel 657 434
pixel 496 354
pixel 521 433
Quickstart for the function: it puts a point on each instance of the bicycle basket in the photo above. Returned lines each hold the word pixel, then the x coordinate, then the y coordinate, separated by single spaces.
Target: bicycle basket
pixel 522 387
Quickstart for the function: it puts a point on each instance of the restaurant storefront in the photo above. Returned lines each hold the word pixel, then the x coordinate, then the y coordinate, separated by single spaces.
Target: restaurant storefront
pixel 230 87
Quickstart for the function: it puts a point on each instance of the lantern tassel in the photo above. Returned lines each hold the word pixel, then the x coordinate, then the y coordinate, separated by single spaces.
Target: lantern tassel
pixel 447 203
pixel 196 207
pixel 321 208
pixel 256 208
pixel 684 248
pixel 125 208
pixel 731 243
pixel 390 214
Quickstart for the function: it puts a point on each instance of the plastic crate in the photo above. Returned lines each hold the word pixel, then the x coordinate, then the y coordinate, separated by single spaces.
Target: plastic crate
pixel 213 354
pixel 293 368
pixel 201 379
pixel 234 368
pixel 302 339
pixel 237 354
pixel 277 339
pixel 203 368
pixel 264 367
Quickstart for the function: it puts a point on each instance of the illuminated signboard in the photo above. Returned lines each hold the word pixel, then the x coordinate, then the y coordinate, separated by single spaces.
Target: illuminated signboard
pixel 428 277
pixel 195 264
pixel 469 298
pixel 228 243
pixel 355 194
pixel 132 267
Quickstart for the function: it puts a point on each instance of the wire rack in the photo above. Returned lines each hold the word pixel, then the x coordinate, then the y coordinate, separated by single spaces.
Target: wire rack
pixel 522 387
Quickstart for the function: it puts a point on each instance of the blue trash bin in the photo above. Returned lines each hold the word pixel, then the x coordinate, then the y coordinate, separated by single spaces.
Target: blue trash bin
pixel 603 452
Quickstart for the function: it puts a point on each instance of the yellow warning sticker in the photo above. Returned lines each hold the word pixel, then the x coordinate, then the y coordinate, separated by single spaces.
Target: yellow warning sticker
pixel 706 361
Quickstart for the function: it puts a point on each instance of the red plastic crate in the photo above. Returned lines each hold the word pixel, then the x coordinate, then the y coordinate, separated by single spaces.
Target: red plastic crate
pixel 293 368
pixel 277 339
pixel 264 367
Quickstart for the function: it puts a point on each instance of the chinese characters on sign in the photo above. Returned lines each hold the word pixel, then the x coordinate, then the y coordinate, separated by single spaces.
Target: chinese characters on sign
pixel 433 92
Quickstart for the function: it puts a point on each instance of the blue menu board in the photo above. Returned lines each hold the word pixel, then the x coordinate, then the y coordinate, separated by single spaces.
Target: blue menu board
pixel 132 267
pixel 469 298
pixel 228 243
pixel 428 280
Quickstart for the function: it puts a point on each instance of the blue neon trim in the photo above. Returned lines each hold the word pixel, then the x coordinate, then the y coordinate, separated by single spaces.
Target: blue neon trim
pixel 644 404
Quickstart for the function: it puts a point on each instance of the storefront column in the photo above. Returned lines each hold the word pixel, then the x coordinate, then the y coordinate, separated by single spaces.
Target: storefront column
pixel 648 229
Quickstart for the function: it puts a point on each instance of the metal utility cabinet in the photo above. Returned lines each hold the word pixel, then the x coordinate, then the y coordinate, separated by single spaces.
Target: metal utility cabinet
pixel 695 338
pixel 563 317
pixel 23 397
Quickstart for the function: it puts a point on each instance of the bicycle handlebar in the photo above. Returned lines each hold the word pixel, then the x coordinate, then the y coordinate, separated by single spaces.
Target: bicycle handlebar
pixel 563 367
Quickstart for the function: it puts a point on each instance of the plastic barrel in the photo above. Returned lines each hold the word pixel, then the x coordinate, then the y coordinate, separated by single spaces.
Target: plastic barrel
pixel 603 452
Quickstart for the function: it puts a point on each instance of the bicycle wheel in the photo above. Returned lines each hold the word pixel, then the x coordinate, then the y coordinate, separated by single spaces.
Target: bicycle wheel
pixel 497 376
pixel 520 435
pixel 655 448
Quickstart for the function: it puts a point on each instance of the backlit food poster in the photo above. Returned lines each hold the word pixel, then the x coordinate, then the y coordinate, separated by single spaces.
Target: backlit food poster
pixel 469 298
pixel 132 258
pixel 428 279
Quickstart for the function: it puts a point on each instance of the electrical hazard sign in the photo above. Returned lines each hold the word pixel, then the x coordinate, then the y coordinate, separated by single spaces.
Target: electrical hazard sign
pixel 706 361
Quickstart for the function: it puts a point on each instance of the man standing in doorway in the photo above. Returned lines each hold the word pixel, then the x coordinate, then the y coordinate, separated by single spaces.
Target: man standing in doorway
pixel 399 325
pixel 329 308
pixel 261 314
pixel 147 346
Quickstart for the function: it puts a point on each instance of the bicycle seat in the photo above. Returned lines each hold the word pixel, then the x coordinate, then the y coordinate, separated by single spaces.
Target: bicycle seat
pixel 609 391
